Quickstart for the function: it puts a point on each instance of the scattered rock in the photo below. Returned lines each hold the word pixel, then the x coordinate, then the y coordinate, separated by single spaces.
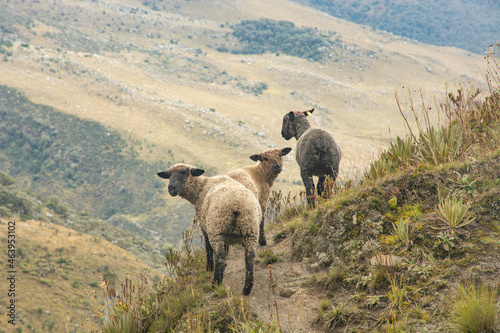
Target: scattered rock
pixel 388 260
pixel 287 292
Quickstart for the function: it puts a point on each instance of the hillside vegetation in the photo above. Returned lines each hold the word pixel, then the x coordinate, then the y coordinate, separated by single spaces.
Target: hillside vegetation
pixel 466 24
pixel 413 247
pixel 92 167
pixel 87 84
pixel 57 152
pixel 21 205
pixel 150 74
pixel 55 265
pixel 265 35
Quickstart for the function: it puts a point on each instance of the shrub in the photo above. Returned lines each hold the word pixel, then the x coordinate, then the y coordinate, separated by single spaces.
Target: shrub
pixel 267 35
pixel 6 180
pixel 473 308
pixel 454 213
pixel 267 257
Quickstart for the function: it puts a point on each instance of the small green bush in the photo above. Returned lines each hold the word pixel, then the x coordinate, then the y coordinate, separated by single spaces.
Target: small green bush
pixel 473 308
pixel 267 257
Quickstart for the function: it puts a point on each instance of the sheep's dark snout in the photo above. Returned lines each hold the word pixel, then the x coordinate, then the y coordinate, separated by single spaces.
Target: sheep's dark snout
pixel 276 168
pixel 172 189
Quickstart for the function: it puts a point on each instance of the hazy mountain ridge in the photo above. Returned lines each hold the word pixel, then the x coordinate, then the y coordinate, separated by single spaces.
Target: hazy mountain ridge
pixel 466 24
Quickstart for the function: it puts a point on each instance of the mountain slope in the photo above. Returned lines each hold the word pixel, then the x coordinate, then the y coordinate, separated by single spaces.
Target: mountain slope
pixel 412 247
pixel 54 267
pixel 465 24
pixel 92 167
pixel 156 77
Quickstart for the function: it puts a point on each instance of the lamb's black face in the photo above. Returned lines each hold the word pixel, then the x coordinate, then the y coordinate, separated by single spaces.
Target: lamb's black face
pixel 287 128
pixel 177 181
pixel 179 177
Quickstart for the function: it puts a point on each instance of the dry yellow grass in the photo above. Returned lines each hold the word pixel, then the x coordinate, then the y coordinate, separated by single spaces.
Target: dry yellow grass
pixel 56 264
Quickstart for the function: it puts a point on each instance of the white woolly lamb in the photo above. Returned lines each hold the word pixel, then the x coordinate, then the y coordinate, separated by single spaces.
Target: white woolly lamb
pixel 227 212
pixel 260 178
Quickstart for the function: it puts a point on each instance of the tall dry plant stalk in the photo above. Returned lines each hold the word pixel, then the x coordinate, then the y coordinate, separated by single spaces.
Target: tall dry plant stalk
pixel 273 306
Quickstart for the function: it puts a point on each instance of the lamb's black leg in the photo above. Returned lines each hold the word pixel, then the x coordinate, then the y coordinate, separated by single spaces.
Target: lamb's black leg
pixel 220 264
pixel 249 260
pixel 262 235
pixel 210 254
pixel 309 184
pixel 321 187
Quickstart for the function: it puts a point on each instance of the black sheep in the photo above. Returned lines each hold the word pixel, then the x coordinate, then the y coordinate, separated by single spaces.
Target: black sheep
pixel 317 152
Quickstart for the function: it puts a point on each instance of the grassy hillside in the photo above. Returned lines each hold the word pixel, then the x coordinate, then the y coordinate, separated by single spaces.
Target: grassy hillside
pixel 26 205
pixel 413 247
pixel 61 153
pixel 152 74
pixel 55 266
pixel 86 85
pixel 92 167
pixel 465 24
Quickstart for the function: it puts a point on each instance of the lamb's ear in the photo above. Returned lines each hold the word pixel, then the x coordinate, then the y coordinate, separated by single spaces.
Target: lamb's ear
pixel 164 174
pixel 285 151
pixel 197 172
pixel 255 157
pixel 308 112
pixel 291 116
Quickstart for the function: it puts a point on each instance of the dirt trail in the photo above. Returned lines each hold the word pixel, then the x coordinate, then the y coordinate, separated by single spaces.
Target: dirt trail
pixel 297 305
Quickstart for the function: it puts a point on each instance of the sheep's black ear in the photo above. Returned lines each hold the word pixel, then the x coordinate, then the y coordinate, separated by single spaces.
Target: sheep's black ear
pixel 164 174
pixel 308 112
pixel 197 172
pixel 291 116
pixel 255 157
pixel 285 151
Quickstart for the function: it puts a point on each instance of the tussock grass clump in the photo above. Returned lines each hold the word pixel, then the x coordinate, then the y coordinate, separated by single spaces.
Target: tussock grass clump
pixel 473 308
pixel 396 294
pixel 454 213
pixel 267 257
pixel 404 230
pixel 149 305
pixel 283 206
pixel 460 127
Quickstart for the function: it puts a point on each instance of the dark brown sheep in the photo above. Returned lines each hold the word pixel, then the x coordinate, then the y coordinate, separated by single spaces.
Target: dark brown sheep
pixel 317 152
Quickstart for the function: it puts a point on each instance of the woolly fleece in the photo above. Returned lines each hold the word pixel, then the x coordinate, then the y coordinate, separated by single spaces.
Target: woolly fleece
pixel 317 151
pixel 260 178
pixel 226 211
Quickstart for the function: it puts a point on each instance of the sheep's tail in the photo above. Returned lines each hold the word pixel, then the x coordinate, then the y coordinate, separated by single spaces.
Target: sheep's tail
pixel 318 154
pixel 236 214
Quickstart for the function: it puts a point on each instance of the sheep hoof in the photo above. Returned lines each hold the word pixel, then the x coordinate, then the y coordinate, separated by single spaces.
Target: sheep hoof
pixel 247 290
pixel 262 241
